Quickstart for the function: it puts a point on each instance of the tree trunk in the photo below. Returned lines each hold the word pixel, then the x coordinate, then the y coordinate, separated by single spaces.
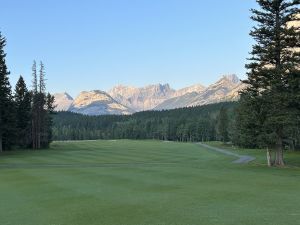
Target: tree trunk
pixel 33 134
pixel 279 152
pixel 269 158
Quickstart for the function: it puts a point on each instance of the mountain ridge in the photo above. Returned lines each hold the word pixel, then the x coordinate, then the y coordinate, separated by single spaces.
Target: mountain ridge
pixel 216 92
pixel 98 102
pixel 123 100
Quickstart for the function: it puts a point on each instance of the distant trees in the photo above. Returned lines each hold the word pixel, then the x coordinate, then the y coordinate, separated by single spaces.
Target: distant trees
pixel 25 116
pixel 223 125
pixel 269 109
pixel 187 124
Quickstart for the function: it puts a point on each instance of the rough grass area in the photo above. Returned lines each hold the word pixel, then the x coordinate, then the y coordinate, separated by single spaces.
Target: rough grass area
pixel 142 183
pixel 292 158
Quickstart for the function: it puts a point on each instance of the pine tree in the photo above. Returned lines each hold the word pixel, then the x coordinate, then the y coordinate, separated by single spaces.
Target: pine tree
pixel 23 113
pixel 42 108
pixel 270 95
pixel 42 115
pixel 35 109
pixel 6 102
pixel 44 104
pixel 39 105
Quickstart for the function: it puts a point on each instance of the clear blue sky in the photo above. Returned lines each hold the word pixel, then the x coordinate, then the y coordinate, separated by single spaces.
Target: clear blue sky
pixel 95 44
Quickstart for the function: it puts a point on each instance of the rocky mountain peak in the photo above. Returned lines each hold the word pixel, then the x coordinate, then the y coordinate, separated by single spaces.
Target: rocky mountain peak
pixel 144 98
pixel 158 89
pixel 63 101
pixel 224 89
pixel 197 88
pixel 88 97
pixel 232 78
pixel 164 87
pixel 98 103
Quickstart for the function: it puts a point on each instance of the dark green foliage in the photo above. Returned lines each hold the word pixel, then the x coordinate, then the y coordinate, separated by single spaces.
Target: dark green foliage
pixel 269 108
pixel 187 124
pixel 248 122
pixel 223 125
pixel 35 110
pixel 48 120
pixel 7 122
pixel 23 114
pixel 25 118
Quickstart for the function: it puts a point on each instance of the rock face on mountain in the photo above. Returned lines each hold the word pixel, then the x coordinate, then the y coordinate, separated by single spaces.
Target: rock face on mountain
pixel 197 88
pixel 98 103
pixel 63 101
pixel 177 102
pixel 141 99
pixel 226 89
pixel 234 94
pixel 216 92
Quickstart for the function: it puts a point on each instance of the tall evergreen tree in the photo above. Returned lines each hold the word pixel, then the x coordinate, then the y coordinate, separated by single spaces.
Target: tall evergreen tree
pixel 42 108
pixel 6 101
pixel 39 106
pixel 23 113
pixel 35 109
pixel 273 70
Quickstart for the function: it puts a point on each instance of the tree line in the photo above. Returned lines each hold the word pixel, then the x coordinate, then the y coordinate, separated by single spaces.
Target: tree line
pixel 25 115
pixel 202 123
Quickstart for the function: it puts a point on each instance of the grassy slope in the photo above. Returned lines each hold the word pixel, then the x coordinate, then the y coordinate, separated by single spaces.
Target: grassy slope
pixel 142 183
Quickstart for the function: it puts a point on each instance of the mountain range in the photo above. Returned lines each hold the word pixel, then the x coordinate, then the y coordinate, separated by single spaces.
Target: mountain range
pixel 124 100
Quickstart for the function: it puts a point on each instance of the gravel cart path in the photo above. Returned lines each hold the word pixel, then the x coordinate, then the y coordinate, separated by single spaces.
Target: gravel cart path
pixel 242 159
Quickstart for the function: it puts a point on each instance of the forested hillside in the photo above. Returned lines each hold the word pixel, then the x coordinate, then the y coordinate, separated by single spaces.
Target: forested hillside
pixel 187 124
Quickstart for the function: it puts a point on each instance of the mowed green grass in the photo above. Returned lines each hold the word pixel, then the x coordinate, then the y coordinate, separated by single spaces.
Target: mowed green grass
pixel 142 183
